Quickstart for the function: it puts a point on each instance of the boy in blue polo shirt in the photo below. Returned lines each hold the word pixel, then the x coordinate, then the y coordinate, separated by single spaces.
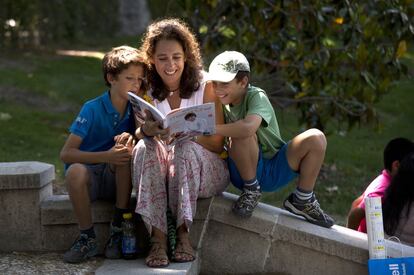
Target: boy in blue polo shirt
pixel 98 150
pixel 259 160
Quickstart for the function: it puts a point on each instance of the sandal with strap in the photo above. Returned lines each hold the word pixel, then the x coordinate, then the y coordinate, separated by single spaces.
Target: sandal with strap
pixel 157 256
pixel 184 251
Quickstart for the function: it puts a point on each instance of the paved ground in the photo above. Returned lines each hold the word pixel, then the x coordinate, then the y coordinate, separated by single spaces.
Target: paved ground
pixel 44 263
pixel 19 263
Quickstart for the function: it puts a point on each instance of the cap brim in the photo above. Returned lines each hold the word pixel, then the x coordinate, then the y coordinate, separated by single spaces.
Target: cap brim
pixel 221 76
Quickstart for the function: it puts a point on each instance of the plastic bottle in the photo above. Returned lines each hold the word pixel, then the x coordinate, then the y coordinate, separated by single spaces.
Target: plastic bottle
pixel 128 237
pixel 375 228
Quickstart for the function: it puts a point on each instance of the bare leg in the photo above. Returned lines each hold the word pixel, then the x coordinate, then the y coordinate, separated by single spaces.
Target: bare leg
pixel 245 153
pixel 77 182
pixel 305 154
pixel 123 185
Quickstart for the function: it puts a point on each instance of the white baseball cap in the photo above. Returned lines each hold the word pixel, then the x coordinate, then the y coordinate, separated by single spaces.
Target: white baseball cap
pixel 226 65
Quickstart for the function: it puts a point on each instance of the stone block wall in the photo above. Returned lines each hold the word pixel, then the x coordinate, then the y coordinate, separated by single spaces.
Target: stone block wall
pixel 272 241
pixel 23 187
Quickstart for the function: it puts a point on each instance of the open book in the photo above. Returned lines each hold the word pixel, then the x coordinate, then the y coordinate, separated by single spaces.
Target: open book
pixel 182 122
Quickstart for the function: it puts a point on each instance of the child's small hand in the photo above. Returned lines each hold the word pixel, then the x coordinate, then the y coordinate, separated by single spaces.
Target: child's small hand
pixel 123 138
pixel 127 140
pixel 119 155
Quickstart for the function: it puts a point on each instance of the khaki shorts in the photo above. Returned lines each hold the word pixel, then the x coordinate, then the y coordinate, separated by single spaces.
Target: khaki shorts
pixel 102 182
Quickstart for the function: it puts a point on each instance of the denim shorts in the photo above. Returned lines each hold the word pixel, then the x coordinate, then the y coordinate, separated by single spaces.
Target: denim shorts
pixel 102 182
pixel 272 174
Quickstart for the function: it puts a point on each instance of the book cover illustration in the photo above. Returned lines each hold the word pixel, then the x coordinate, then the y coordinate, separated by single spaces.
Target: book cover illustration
pixel 182 122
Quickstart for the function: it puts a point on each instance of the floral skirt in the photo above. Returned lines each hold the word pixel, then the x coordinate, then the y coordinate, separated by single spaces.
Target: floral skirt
pixel 184 173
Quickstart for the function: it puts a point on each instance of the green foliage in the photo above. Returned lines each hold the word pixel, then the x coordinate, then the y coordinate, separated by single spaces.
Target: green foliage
pixel 41 93
pixel 28 23
pixel 331 59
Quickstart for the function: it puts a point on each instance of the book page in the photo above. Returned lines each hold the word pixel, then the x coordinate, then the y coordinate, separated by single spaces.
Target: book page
pixel 192 121
pixel 139 105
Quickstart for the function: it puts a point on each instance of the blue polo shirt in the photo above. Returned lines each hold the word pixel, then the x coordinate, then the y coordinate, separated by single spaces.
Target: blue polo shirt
pixel 98 122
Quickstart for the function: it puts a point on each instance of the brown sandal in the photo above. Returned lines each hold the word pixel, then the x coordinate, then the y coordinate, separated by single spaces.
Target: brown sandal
pixel 157 253
pixel 184 250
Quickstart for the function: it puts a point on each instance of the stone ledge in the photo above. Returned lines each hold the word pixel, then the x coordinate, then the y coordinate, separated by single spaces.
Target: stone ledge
pixel 59 224
pixel 57 209
pixel 25 175
pixel 276 237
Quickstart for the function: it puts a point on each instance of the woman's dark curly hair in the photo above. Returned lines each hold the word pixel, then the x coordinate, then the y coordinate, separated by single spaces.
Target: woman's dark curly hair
pixel 173 29
pixel 399 195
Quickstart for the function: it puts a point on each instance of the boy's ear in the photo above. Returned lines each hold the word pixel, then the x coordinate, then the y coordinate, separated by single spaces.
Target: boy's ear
pixel 245 81
pixel 110 77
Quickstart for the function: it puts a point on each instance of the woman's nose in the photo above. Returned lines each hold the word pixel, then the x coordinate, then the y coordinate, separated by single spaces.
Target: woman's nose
pixel 170 62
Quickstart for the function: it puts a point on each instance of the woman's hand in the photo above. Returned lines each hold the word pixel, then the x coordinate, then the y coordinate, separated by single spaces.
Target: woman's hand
pixel 152 128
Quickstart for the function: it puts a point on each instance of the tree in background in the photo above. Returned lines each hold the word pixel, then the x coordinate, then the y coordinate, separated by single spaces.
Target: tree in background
pixel 331 59
pixel 37 24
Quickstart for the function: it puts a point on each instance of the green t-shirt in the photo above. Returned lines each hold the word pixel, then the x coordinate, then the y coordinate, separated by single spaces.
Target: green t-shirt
pixel 256 102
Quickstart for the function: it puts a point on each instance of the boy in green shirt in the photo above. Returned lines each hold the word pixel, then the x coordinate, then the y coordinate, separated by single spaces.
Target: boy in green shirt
pixel 259 160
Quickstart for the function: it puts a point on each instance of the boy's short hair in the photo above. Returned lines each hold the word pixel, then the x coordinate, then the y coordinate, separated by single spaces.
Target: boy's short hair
pixel 227 66
pixel 397 149
pixel 119 59
pixel 242 74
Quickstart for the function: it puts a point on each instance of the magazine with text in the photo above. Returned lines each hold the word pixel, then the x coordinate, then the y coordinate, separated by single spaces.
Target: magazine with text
pixel 182 122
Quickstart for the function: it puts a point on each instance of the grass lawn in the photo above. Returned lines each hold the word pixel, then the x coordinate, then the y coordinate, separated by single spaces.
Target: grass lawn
pixel 41 93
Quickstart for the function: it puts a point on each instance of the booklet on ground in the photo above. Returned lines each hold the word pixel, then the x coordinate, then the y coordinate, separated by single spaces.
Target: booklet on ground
pixel 188 121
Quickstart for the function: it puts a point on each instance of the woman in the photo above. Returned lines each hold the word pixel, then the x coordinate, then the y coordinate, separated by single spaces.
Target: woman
pixel 398 207
pixel 177 175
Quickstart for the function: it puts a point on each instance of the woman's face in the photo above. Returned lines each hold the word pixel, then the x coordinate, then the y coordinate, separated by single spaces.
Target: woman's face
pixel 169 60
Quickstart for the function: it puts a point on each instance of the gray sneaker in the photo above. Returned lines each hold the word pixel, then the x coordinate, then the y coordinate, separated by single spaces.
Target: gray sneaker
pixel 82 249
pixel 310 210
pixel 246 203
pixel 113 247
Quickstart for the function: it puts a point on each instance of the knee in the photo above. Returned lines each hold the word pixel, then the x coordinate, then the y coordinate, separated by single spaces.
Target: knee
pixel 186 148
pixel 76 176
pixel 317 139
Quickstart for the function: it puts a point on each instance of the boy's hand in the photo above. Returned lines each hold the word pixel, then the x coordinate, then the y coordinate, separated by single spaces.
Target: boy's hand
pixel 119 155
pixel 127 140
pixel 123 138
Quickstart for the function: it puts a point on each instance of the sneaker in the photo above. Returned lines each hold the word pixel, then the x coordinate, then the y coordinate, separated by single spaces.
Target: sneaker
pixel 82 249
pixel 113 247
pixel 310 210
pixel 246 203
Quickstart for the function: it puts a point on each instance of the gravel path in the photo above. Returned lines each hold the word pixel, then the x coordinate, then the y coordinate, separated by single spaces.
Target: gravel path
pixel 44 263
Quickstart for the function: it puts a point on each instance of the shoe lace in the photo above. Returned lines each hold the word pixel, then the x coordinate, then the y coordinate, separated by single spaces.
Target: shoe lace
pixel 81 242
pixel 249 198
pixel 313 208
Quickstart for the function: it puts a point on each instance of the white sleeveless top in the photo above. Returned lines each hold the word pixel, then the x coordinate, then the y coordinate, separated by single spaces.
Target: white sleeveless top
pixel 195 99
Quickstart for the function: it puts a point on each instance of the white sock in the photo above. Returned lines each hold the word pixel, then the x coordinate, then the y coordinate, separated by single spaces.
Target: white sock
pixel 302 194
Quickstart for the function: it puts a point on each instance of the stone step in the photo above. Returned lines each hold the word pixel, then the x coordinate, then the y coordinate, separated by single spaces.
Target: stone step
pixel 133 267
